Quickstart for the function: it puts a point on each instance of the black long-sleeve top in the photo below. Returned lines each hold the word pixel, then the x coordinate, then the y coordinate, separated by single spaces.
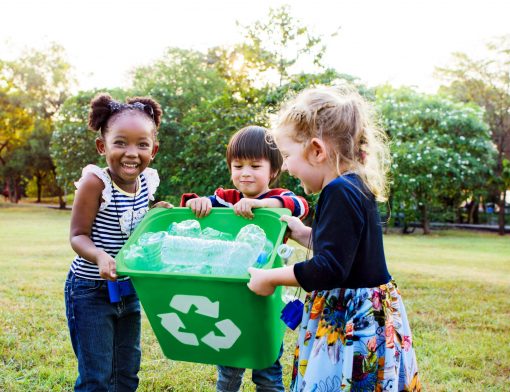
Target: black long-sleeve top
pixel 347 239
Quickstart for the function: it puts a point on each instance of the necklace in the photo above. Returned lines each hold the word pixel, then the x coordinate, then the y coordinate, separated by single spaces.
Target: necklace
pixel 117 210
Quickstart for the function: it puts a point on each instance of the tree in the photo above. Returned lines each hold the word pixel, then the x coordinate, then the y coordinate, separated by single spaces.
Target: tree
pixel 277 44
pixel 197 118
pixel 441 151
pixel 72 145
pixel 487 82
pixel 38 82
pixel 41 79
pixel 16 125
pixel 39 165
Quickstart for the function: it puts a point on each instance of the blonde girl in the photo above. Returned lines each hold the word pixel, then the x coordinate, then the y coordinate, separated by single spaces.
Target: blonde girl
pixel 354 334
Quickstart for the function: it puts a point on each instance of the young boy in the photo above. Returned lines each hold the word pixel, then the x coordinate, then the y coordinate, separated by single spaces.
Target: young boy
pixel 255 163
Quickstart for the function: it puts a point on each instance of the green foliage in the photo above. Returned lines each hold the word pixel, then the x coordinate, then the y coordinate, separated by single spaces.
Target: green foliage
pixel 72 144
pixel 32 88
pixel 441 150
pixel 41 79
pixel 279 42
pixel 183 83
pixel 486 81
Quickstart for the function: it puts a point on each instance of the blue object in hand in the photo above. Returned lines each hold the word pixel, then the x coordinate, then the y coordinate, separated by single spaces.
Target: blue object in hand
pixel 117 290
pixel 292 313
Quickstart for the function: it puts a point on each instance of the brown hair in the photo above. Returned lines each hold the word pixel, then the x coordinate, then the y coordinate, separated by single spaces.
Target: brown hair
pixel 254 142
pixel 103 108
pixel 343 120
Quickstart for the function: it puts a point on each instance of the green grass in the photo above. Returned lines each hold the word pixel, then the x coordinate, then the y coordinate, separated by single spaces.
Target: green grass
pixel 456 287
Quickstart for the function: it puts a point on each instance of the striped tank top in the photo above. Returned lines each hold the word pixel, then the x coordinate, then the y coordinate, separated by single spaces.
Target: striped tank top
pixel 117 217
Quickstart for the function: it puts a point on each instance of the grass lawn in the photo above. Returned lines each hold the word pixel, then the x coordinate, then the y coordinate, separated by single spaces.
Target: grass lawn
pixel 456 287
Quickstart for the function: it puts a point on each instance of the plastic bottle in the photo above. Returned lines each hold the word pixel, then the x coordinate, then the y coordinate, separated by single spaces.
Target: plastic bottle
pixel 187 228
pixel 213 234
pixel 151 244
pixel 254 236
pixel 285 252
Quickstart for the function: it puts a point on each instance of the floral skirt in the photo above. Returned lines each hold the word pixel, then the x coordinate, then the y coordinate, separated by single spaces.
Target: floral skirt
pixel 355 340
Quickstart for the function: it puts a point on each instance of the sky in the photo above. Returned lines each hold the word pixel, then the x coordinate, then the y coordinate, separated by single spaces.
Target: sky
pixel 379 41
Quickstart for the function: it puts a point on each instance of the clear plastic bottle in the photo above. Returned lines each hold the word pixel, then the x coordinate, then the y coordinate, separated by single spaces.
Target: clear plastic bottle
pixel 187 228
pixel 254 236
pixel 134 257
pixel 151 244
pixel 213 234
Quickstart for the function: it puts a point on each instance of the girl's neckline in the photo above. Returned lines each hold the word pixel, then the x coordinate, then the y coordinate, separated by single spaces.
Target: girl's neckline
pixel 120 190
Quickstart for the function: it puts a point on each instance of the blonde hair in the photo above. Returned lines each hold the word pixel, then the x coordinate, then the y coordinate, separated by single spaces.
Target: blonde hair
pixel 344 121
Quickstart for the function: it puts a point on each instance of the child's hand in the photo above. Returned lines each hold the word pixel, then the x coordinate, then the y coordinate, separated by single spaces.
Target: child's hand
pixel 259 282
pixel 163 204
pixel 201 206
pixel 244 207
pixel 298 231
pixel 107 266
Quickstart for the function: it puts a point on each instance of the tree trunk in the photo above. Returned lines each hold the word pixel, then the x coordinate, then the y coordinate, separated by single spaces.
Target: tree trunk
pixel 17 189
pixel 425 219
pixel 61 200
pixel 501 214
pixel 460 219
pixel 12 189
pixel 39 188
pixel 473 213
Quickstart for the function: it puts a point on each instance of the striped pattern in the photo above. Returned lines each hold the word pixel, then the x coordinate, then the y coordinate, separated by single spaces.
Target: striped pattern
pixel 106 231
pixel 229 197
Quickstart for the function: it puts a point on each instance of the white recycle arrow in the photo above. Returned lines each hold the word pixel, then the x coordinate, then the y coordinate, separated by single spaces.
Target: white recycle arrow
pixel 230 331
pixel 172 323
pixel 204 305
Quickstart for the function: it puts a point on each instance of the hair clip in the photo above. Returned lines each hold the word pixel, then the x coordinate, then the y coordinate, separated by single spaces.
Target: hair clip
pixel 144 108
pixel 114 106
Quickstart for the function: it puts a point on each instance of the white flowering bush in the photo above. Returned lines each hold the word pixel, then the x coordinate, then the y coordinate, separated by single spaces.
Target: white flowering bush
pixel 441 152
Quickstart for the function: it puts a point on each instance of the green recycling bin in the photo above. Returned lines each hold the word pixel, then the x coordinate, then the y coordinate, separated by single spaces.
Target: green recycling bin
pixel 208 318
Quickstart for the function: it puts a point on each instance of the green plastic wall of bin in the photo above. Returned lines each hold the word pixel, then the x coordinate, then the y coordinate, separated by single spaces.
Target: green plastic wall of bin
pixel 207 318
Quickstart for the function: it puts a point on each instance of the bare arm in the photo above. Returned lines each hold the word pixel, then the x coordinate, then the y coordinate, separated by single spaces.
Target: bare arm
pixel 245 206
pixel 85 208
pixel 263 282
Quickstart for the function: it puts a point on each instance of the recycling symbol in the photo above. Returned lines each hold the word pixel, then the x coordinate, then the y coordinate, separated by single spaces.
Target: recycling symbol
pixel 183 303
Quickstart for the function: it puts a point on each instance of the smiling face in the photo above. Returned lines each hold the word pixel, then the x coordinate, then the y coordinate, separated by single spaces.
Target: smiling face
pixel 310 165
pixel 128 146
pixel 251 176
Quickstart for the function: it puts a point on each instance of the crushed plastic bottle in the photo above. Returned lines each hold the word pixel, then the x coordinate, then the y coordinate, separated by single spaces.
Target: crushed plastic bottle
pixel 151 244
pixel 133 257
pixel 254 236
pixel 187 228
pixel 186 248
pixel 213 234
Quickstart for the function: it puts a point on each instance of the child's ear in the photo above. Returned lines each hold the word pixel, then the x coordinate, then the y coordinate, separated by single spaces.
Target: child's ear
pixel 100 147
pixel 317 150
pixel 155 150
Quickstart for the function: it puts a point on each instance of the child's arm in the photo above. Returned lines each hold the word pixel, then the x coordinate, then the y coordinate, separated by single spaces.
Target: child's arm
pixel 298 231
pixel 244 206
pixel 163 204
pixel 275 198
pixel 85 207
pixel 263 282
pixel 297 205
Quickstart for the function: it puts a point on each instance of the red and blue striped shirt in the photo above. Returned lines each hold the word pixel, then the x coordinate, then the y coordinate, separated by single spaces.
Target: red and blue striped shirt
pixel 228 197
